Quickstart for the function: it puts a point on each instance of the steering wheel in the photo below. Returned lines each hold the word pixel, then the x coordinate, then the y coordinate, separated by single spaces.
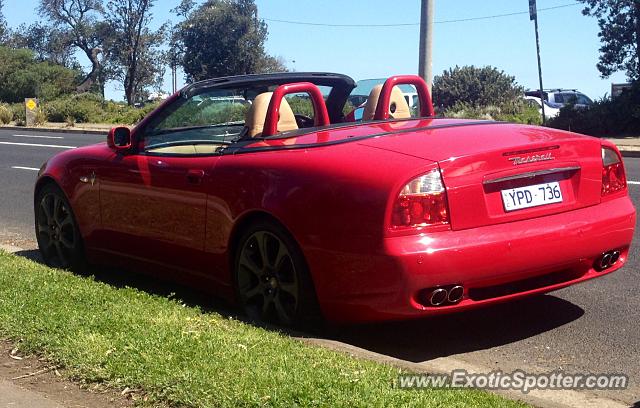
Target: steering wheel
pixel 304 121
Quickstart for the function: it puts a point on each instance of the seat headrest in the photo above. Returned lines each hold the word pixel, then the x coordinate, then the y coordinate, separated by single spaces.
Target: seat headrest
pixel 398 106
pixel 257 114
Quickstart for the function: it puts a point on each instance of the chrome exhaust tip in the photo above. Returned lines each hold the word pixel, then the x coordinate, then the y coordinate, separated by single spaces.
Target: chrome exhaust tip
pixel 438 297
pixel 455 294
pixel 605 261
pixel 615 255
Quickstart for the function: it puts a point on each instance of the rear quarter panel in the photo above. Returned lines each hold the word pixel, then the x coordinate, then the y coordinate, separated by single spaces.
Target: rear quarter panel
pixel 331 199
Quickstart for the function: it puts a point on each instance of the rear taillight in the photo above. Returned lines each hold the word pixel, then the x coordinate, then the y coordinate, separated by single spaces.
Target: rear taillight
pixel 613 177
pixel 422 202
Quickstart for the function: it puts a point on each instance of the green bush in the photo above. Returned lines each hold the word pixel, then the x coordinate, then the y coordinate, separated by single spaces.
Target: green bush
pixel 475 87
pixel 606 117
pixel 195 113
pixel 120 113
pixel 19 113
pixel 518 112
pixel 40 117
pixel 91 108
pixel 83 108
pixel 6 115
pixel 301 106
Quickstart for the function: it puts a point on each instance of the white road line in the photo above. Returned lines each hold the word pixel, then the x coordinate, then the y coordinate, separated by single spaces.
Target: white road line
pixel 633 182
pixel 38 145
pixel 24 168
pixel 40 136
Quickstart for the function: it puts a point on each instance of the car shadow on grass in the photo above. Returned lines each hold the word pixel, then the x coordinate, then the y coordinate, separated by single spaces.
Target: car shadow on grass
pixel 121 278
pixel 414 340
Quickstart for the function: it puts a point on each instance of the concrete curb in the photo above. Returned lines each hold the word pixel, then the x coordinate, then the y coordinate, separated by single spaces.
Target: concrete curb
pixel 445 365
pixel 56 130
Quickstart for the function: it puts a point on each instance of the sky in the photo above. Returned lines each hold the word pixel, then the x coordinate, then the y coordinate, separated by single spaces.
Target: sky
pixel 568 40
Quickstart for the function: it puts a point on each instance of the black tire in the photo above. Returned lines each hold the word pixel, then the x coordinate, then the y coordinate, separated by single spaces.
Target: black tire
pixel 57 232
pixel 272 279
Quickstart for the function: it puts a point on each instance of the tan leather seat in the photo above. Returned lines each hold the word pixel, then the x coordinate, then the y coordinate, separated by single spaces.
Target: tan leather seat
pixel 257 114
pixel 398 106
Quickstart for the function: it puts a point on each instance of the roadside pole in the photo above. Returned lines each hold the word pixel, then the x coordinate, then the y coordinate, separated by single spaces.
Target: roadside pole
pixel 533 15
pixel 425 68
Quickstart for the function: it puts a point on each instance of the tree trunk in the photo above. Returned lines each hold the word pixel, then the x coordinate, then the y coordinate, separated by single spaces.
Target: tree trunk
pixel 90 79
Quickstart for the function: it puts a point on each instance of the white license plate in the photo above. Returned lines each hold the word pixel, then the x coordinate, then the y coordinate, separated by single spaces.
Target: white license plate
pixel 531 196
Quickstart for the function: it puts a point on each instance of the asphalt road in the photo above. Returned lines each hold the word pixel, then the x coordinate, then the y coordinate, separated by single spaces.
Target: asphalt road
pixel 21 155
pixel 593 327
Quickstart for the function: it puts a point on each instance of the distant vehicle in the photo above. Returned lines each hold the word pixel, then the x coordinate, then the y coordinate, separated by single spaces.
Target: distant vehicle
pixel 561 97
pixel 550 111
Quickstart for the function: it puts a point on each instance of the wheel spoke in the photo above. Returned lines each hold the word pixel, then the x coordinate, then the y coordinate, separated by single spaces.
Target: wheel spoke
pixel 249 264
pixel 283 253
pixel 61 256
pixel 251 293
pixel 66 221
pixel 64 241
pixel 47 245
pixel 261 239
pixel 44 205
pixel 291 288
pixel 266 307
pixel 58 207
pixel 282 314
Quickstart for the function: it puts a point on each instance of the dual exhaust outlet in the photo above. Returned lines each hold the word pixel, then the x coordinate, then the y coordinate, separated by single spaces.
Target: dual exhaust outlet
pixel 607 260
pixel 444 295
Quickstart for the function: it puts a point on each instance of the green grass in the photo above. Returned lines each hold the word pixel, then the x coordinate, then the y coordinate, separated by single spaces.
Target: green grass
pixel 183 357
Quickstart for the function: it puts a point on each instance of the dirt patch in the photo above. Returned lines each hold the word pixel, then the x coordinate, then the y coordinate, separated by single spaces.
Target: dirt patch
pixel 35 374
pixel 16 240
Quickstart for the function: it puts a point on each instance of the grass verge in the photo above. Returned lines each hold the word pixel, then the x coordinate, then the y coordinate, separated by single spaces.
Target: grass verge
pixel 181 356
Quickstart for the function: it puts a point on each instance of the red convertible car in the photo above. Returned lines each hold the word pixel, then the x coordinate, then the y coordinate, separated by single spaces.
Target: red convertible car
pixel 265 190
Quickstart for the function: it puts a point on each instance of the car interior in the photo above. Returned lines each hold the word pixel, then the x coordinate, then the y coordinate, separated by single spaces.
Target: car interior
pixel 209 120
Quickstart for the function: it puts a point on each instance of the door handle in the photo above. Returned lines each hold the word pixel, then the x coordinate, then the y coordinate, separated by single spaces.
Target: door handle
pixel 195 176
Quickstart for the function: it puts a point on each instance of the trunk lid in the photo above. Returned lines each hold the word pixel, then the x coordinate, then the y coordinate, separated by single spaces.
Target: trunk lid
pixel 481 160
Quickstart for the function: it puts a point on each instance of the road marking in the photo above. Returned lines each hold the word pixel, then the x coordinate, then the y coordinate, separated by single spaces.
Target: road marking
pixel 25 168
pixel 40 136
pixel 38 145
pixel 633 182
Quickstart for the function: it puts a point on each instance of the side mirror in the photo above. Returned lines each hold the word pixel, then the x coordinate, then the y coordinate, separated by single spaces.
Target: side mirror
pixel 119 138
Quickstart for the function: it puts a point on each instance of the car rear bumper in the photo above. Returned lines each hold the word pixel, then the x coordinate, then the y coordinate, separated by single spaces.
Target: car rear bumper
pixel 494 264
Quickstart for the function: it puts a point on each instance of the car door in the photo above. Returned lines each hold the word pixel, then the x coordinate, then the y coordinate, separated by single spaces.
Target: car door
pixel 153 199
pixel 153 208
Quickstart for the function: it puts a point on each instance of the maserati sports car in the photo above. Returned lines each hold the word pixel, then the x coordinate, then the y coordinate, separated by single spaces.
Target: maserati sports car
pixel 265 190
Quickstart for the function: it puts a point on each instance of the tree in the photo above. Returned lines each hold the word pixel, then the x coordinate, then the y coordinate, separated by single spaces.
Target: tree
pixel 222 37
pixel 48 43
pixel 619 22
pixel 137 55
pixel 475 87
pixel 79 19
pixel 3 23
pixel 23 76
pixel 272 64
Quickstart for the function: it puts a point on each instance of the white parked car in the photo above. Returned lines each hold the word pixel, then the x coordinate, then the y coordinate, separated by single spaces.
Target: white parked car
pixel 550 111
pixel 560 97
